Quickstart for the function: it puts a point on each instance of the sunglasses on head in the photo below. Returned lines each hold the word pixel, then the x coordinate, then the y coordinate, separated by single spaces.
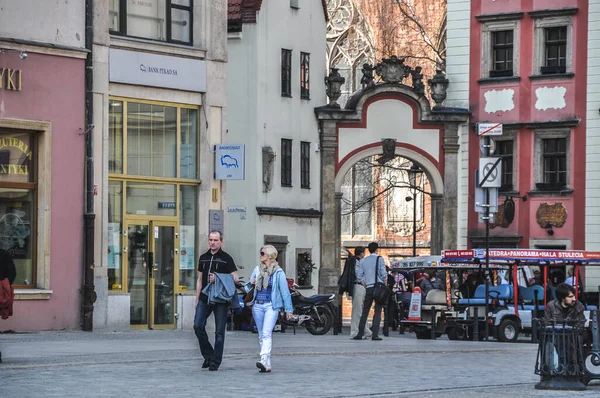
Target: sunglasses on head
pixel 262 253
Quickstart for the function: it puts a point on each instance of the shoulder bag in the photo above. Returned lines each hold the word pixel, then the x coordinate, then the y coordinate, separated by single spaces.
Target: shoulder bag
pixel 381 293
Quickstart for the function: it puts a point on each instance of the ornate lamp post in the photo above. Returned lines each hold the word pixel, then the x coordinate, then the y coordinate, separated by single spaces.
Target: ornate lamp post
pixel 439 86
pixel 413 173
pixel 334 86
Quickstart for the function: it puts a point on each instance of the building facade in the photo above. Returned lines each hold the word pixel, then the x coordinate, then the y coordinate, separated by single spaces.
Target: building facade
pixel 529 65
pixel 159 107
pixel 275 79
pixel 42 141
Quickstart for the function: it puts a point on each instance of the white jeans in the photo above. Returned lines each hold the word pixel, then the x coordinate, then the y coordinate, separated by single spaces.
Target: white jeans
pixel 358 301
pixel 265 317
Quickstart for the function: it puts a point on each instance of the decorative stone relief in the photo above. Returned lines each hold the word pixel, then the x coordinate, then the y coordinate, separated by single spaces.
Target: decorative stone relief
pixel 499 100
pixel 550 98
pixel 555 215
pixel 268 158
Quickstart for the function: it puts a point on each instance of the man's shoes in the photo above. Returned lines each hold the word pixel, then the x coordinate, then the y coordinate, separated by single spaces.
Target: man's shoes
pixel 213 368
pixel 206 363
pixel 386 334
pixel 357 338
pixel 376 338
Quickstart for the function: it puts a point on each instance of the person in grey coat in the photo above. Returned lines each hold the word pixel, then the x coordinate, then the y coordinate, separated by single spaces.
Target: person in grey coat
pixel 370 270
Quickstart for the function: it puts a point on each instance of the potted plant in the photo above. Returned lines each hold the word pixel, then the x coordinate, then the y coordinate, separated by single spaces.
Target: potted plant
pixel 304 267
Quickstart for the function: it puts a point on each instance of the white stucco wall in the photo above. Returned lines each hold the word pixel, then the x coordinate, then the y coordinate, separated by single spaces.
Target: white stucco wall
pixel 592 191
pixel 56 22
pixel 394 119
pixel 259 116
pixel 457 70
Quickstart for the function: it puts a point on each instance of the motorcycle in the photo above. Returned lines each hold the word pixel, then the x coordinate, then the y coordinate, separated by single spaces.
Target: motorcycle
pixel 315 313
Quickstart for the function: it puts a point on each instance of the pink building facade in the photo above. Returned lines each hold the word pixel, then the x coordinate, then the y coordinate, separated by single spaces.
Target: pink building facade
pixel 528 71
pixel 42 100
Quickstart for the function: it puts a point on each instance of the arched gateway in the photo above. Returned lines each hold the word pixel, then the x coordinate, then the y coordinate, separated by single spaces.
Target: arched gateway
pixel 388 118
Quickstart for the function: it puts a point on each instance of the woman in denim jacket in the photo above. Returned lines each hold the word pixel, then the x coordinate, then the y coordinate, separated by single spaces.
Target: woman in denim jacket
pixel 271 294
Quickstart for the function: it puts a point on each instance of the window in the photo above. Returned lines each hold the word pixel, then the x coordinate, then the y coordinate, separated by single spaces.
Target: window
pixel 357 200
pixel 555 161
pixel 553 42
pixel 163 20
pixel 305 164
pixel 304 72
pixel 500 48
pixel 552 160
pixel 555 57
pixel 286 163
pixel 505 150
pixel 286 73
pixel 156 174
pixel 502 53
pixel 18 210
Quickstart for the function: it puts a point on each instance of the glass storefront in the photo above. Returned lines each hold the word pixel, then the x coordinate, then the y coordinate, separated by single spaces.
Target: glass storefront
pixel 153 199
pixel 18 210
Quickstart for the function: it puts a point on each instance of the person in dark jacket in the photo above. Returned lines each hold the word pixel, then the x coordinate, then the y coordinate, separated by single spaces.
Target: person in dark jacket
pixel 348 277
pixel 7 271
pixel 565 307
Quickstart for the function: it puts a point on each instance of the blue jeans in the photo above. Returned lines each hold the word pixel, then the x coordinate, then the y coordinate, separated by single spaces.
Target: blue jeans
pixel 203 311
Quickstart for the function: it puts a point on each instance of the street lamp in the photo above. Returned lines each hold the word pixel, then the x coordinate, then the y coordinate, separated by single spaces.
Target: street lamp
pixel 413 173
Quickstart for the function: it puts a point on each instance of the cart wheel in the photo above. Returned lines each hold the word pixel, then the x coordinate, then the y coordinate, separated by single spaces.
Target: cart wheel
pixel 508 331
pixel 456 333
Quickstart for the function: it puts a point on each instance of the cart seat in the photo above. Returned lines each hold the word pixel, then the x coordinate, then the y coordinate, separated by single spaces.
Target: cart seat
pixel 436 298
pixel 502 293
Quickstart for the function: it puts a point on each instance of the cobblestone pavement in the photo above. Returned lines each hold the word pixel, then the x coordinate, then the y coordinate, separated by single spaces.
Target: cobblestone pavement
pixel 166 363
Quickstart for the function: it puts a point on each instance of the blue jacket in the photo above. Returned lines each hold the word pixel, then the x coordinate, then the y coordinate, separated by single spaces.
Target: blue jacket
pixel 280 296
pixel 221 290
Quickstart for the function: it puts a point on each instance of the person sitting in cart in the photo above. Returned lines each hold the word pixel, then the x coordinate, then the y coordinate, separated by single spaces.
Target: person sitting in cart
pixel 431 283
pixel 565 307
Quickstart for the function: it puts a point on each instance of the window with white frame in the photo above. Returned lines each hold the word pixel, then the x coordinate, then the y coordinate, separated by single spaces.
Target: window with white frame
pixel 500 49
pixel 163 20
pixel 506 150
pixel 357 200
pixel 553 45
pixel 552 160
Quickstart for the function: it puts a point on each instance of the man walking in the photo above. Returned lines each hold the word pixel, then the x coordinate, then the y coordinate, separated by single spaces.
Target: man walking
pixel 369 271
pixel 355 290
pixel 215 260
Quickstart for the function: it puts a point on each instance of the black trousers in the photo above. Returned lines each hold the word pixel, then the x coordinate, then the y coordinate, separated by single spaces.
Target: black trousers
pixel 365 314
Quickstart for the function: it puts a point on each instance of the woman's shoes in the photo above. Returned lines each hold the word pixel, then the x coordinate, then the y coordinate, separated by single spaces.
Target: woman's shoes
pixel 264 365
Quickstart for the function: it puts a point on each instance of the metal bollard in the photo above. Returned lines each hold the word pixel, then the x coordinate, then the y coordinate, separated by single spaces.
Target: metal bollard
pixel 433 323
pixel 476 324
pixel 400 324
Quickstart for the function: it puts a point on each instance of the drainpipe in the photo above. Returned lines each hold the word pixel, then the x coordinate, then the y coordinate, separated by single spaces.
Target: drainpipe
pixel 89 295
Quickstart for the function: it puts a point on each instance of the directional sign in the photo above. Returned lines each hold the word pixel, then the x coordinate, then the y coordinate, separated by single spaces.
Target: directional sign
pixel 490 172
pixel 489 128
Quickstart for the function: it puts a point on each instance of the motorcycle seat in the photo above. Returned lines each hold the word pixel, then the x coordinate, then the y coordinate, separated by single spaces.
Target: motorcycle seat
pixel 315 299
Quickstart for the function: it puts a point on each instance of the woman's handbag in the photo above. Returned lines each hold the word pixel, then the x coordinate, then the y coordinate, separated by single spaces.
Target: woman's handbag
pixel 381 292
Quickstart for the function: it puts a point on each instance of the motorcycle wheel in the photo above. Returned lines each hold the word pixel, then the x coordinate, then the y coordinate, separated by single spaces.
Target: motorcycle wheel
pixel 320 328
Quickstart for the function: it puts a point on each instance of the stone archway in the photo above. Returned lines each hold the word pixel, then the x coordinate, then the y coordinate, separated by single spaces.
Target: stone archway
pixel 378 112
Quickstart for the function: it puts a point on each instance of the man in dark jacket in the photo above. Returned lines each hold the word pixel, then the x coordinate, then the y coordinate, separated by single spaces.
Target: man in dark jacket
pixel 348 278
pixel 565 307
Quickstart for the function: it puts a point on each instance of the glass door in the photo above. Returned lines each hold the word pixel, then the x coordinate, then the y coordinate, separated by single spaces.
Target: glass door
pixel 151 261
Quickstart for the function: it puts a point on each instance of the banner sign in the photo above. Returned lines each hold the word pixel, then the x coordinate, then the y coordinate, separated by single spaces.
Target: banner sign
pixel 522 254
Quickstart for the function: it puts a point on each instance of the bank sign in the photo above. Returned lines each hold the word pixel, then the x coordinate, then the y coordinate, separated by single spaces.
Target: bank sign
pixel 131 67
pixel 230 162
